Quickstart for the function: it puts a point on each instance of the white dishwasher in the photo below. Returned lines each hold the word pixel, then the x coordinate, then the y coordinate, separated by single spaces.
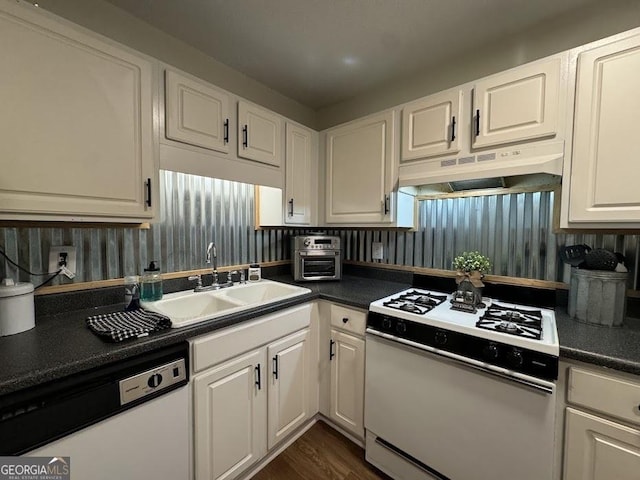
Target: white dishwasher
pixel 128 420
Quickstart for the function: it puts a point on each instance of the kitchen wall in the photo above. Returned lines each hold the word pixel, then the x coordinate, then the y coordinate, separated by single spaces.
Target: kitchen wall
pixel 598 20
pixel 514 230
pixel 110 21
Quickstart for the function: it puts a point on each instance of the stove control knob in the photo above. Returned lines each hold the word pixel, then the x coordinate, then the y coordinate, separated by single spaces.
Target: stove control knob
pixel 514 357
pixel 154 380
pixel 491 352
pixel 307 242
pixel 386 323
pixel 441 338
pixel 401 327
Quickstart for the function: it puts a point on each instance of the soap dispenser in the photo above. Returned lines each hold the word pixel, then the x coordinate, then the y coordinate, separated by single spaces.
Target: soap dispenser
pixel 151 283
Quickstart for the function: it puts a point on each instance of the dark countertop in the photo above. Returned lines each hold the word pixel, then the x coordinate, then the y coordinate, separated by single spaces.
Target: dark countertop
pixel 611 347
pixel 62 345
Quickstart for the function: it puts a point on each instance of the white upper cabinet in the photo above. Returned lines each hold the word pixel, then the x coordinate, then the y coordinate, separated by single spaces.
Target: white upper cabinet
pixel 259 134
pixel 606 154
pixel 361 172
pixel 297 204
pixel 298 162
pixel 196 113
pixel 204 135
pixel 77 123
pixel 431 126
pixel 517 105
pixel 511 123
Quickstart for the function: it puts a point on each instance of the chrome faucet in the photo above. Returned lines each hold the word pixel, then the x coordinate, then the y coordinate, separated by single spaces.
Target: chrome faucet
pixel 212 253
pixel 212 257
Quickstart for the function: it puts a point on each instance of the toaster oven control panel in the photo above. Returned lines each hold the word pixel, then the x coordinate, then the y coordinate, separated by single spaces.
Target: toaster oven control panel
pixel 317 243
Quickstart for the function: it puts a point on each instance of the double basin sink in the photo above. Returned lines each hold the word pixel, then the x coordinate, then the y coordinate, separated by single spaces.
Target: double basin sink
pixel 188 308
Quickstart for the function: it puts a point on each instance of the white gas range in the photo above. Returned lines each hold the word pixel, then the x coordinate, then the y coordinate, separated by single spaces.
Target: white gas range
pixel 457 395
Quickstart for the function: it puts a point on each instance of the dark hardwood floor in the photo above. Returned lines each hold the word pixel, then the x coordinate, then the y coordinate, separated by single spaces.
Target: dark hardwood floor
pixel 322 454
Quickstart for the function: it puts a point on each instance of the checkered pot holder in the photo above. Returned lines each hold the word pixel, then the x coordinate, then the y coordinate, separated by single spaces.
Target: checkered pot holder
pixel 119 326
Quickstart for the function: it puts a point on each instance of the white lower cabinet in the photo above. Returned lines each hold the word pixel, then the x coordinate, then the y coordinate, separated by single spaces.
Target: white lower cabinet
pixel 342 348
pixel 252 387
pixel 288 390
pixel 230 410
pixel 605 444
pixel 599 449
pixel 347 382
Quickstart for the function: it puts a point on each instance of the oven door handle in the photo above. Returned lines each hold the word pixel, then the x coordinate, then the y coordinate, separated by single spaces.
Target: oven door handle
pixel 330 254
pixel 463 362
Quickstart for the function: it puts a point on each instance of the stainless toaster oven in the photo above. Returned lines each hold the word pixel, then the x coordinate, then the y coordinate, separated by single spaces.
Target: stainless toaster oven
pixel 317 257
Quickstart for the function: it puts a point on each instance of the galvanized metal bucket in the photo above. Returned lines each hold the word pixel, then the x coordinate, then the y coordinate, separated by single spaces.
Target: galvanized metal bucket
pixel 598 297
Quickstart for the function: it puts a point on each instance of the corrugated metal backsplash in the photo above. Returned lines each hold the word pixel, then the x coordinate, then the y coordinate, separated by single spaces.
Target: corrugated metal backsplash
pixel 193 212
pixel 513 230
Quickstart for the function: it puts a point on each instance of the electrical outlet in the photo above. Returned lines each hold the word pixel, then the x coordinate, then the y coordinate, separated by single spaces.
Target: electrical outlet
pixel 64 256
pixel 376 251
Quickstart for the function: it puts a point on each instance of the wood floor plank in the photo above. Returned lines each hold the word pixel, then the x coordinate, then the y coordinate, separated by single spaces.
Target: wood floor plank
pixel 321 454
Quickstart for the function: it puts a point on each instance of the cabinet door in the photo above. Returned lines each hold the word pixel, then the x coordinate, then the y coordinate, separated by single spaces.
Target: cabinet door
pixel 604 164
pixel 430 127
pixel 517 105
pixel 347 382
pixel 76 123
pixel 360 165
pixel 288 385
pixel 298 175
pixel 196 113
pixel 598 449
pixel 230 417
pixel 259 134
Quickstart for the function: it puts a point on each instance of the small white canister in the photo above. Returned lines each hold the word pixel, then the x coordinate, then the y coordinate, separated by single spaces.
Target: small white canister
pixel 17 312
pixel 255 272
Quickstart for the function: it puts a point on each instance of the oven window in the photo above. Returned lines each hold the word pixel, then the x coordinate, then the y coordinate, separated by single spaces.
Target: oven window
pixel 319 267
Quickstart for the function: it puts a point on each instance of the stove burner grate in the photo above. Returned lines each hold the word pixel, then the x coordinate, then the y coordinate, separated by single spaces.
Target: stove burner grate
pixel 415 301
pixel 514 321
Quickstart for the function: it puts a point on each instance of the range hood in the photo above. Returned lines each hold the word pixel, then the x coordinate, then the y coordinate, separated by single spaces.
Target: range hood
pixel 507 167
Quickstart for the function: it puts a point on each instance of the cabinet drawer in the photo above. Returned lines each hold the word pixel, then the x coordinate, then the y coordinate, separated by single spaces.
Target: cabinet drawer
pixel 226 343
pixel 353 321
pixel 612 396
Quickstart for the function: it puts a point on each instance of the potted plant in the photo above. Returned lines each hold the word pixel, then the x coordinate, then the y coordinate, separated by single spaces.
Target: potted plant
pixel 471 267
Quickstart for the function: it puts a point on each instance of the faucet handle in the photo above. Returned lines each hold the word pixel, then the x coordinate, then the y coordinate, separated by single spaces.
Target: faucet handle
pixel 197 279
pixel 242 279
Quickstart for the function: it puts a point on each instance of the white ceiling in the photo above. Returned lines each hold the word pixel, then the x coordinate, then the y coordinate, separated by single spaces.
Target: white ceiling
pixel 321 52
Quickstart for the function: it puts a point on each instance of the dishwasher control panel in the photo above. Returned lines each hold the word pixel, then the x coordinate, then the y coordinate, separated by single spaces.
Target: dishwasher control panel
pixel 151 381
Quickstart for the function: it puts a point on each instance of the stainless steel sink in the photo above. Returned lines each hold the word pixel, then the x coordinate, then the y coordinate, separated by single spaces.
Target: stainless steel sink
pixel 188 308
